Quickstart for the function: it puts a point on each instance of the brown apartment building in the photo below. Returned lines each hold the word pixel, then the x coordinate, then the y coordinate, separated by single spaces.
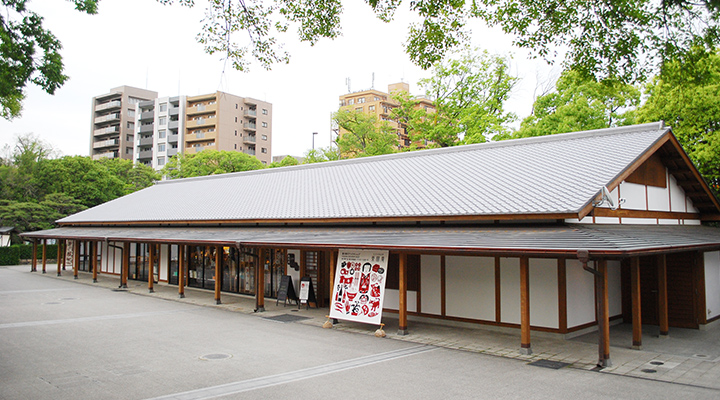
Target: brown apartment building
pixel 222 121
pixel 112 125
pixel 380 104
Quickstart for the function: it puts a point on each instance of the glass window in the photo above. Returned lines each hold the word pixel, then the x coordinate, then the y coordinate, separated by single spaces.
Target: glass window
pixel 263 150
pixel 371 108
pixel 264 111
pixel 162 121
pixel 128 150
pixel 161 147
pixel 131 125
pixel 162 133
pixel 131 113
pixel 163 107
pixel 361 100
pixel 264 124
pixel 351 102
pixel 264 137
pixel 358 109
pixel 129 138
pixel 161 160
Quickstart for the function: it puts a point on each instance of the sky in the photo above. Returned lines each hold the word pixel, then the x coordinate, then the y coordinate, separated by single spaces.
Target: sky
pixel 144 44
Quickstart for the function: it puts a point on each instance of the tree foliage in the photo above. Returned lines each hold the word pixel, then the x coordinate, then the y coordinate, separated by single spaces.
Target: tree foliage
pixel 363 135
pixel 322 154
pixel 579 103
pixel 687 97
pixel 209 162
pixel 29 53
pixel 285 162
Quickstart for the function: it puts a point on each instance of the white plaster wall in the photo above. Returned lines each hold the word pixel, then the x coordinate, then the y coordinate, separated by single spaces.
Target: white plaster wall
pixel 164 261
pixel 614 288
pixel 634 196
pixel 606 220
pixel 691 222
pixel 658 199
pixel 677 195
pixel 640 221
pixel 470 287
pixel 669 222
pixel 580 294
pixel 689 205
pixel 430 289
pixel 544 293
pixel 295 275
pixel 392 300
pixel 712 283
pixel 510 290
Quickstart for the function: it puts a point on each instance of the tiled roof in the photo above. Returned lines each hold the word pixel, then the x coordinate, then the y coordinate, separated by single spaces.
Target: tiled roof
pixel 536 176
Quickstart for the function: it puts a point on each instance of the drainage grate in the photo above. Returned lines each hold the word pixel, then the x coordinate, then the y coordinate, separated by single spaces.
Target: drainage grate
pixel 68 298
pixel 549 364
pixel 53 302
pixel 648 370
pixel 215 356
pixel 284 318
pixel 657 363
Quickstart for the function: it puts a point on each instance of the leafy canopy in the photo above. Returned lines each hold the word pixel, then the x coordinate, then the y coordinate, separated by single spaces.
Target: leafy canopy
pixel 209 162
pixel 363 135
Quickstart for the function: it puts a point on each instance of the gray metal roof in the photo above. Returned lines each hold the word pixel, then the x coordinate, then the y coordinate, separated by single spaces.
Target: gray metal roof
pixel 544 175
pixel 542 239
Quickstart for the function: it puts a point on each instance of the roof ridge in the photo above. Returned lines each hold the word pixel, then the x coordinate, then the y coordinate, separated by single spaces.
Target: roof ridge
pixel 453 149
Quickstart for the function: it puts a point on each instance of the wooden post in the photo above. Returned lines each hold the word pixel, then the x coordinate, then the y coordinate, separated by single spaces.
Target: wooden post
pixel 44 256
pixel 603 314
pixel 525 347
pixel 93 258
pixel 151 265
pixel 125 265
pixel 260 283
pixel 181 271
pixel 562 294
pixel 33 266
pixel 402 323
pixel 635 293
pixel 663 296
pixel 76 258
pixel 218 271
pixel 60 243
pixel 64 254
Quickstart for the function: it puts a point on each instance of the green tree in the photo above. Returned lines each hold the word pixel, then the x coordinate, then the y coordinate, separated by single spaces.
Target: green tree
pixel 323 154
pixel 468 93
pixel 133 176
pixel 285 162
pixel 619 38
pixel 579 103
pixel 363 135
pixel 687 97
pixel 210 162
pixel 29 53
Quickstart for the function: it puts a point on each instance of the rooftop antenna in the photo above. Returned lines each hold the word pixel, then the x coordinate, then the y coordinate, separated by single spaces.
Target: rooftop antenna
pixel 373 81
pixel 347 82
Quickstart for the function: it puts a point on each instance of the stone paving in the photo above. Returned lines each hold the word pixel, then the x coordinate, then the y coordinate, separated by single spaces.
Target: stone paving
pixel 668 361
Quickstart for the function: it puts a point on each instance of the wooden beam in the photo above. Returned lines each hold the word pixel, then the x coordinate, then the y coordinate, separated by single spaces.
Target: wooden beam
pixel 125 265
pixel 260 282
pixel 151 265
pixel 93 260
pixel 562 295
pixel 181 271
pixel 218 272
pixel 59 255
pixel 44 256
pixel 663 320
pixel 603 314
pixel 33 266
pixel 636 311
pixel 525 347
pixel 76 258
pixel 64 254
pixel 402 322
pixel 625 213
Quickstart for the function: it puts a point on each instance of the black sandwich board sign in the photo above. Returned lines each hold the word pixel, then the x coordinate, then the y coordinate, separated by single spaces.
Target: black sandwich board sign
pixel 286 290
pixel 307 293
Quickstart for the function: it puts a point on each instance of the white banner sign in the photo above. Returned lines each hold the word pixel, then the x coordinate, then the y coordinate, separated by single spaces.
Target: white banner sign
pixel 359 287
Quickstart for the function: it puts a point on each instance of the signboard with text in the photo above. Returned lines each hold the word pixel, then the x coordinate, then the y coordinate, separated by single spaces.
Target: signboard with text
pixel 359 287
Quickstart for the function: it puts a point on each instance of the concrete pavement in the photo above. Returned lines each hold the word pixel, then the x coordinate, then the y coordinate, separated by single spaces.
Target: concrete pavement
pixel 689 357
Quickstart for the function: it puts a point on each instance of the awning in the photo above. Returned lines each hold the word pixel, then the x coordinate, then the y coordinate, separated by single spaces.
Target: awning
pixel 608 240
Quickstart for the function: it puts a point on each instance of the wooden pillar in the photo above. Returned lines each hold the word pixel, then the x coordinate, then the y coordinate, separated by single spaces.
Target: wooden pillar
pixel 76 258
pixel 635 293
pixel 44 256
pixel 218 271
pixel 181 270
pixel 260 282
pixel 562 295
pixel 603 314
pixel 93 260
pixel 33 266
pixel 151 266
pixel 60 243
pixel 525 347
pixel 64 254
pixel 125 265
pixel 663 296
pixel 402 323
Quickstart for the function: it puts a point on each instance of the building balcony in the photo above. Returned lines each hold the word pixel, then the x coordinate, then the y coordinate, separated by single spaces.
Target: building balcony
pixel 106 130
pixel 171 152
pixel 146 128
pixel 249 151
pixel 109 105
pixel 201 109
pixel 250 126
pixel 249 139
pixel 106 143
pixel 195 123
pixel 173 124
pixel 109 154
pixel 202 136
pixel 148 141
pixel 174 111
pixel 147 115
pixel 173 138
pixel 106 118
pixel 198 148
pixel 144 155
pixel 250 113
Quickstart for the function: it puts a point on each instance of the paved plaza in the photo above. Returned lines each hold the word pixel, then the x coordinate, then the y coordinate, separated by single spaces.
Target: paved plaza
pixel 62 338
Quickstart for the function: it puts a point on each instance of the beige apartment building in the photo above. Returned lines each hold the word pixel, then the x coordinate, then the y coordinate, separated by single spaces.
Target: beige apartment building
pixel 222 121
pixel 380 104
pixel 112 126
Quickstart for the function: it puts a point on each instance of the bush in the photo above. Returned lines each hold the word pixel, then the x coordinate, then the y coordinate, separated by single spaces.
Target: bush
pixel 9 255
pixel 13 254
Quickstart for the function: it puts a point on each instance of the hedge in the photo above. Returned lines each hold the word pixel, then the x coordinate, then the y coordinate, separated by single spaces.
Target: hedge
pixel 13 254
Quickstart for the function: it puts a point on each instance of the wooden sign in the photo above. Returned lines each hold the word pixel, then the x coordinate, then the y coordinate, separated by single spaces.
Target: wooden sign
pixel 307 293
pixel 286 290
pixel 359 287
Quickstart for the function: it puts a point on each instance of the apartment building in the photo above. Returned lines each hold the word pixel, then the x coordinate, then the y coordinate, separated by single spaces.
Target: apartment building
pixel 112 126
pixel 222 121
pixel 160 127
pixel 380 104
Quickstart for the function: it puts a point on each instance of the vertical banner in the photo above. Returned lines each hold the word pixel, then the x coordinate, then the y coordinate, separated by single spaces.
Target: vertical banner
pixel 359 287
pixel 69 252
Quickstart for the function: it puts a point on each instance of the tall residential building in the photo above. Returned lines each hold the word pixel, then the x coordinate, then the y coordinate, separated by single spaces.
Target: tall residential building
pixel 160 127
pixel 380 104
pixel 223 121
pixel 112 125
